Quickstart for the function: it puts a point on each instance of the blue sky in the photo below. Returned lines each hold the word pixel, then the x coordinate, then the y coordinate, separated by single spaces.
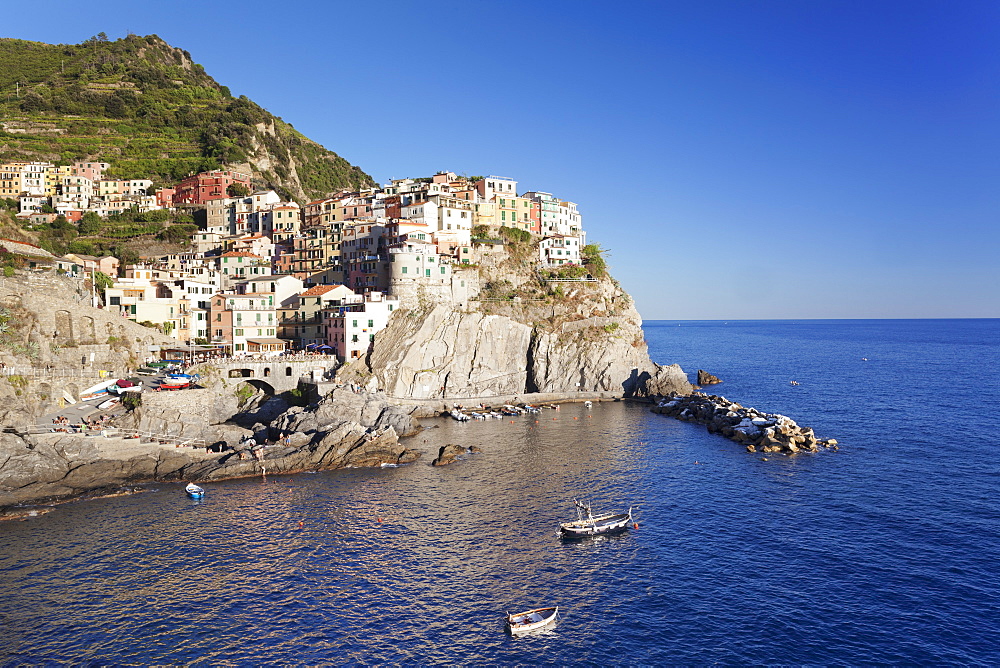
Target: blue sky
pixel 757 159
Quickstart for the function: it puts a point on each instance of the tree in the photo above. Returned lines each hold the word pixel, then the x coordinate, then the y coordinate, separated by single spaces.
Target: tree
pixel 593 260
pixel 91 223
pixel 237 190
pixel 102 281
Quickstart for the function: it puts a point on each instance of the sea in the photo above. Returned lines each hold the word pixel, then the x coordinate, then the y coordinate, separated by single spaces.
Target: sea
pixel 883 552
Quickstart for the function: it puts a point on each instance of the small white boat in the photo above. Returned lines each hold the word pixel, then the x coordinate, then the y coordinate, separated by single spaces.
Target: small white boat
pixel 104 405
pixel 531 620
pixel 588 404
pixel 194 491
pixel 459 415
pixel 589 524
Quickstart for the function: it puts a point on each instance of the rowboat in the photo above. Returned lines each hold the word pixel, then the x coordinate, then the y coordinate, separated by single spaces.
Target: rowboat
pixel 589 524
pixel 531 620
pixel 194 491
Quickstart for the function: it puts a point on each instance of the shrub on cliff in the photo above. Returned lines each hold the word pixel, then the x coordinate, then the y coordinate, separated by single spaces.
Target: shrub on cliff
pixel 515 235
pixel 593 260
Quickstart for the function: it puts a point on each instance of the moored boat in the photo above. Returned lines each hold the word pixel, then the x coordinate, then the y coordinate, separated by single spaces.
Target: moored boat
pixel 104 405
pixel 588 524
pixel 194 491
pixel 531 620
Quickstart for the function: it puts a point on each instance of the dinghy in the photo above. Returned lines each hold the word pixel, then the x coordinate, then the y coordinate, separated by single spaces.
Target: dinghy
pixel 194 491
pixel 531 620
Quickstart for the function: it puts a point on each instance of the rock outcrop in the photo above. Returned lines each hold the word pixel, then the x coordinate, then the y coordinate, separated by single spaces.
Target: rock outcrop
pixel 449 454
pixel 343 405
pixel 705 378
pixel 590 341
pixel 768 432
pixel 52 467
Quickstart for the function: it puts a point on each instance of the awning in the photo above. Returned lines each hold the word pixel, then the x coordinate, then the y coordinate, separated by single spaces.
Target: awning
pixel 268 342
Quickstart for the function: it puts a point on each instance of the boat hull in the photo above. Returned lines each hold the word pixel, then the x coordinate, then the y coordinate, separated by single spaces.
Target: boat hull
pixel 602 525
pixel 531 620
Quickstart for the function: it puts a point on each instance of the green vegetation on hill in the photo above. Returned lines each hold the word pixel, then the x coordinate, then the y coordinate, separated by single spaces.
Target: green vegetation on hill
pixel 146 108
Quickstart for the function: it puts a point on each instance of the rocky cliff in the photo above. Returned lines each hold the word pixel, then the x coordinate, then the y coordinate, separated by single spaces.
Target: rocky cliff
pixel 533 333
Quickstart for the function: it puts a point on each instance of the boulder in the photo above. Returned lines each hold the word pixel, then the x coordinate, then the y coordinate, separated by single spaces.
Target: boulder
pixel 705 378
pixel 448 454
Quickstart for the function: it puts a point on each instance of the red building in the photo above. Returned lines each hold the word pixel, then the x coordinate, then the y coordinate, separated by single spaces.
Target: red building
pixel 200 188
pixel 165 197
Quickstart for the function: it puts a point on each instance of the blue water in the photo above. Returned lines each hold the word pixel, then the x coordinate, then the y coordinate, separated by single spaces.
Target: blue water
pixel 885 552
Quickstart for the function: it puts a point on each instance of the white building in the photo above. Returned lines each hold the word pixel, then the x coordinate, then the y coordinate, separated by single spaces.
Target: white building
pixel 351 327
pixel 559 249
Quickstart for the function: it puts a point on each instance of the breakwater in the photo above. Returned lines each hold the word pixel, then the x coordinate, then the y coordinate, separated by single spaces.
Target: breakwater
pixel 766 432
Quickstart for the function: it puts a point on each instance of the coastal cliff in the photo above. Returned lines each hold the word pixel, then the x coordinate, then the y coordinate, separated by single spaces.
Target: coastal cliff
pixel 525 332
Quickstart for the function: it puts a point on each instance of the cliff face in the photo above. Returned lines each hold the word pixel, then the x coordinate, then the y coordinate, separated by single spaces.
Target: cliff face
pixel 53 345
pixel 564 339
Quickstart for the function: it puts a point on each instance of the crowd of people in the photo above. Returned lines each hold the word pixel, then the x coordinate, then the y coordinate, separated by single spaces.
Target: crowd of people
pixel 61 423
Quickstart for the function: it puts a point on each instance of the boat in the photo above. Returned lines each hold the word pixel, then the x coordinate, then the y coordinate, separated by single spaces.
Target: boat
pixel 588 524
pixel 531 620
pixel 125 385
pixel 104 405
pixel 194 491
pixel 460 416
pixel 588 404
pixel 99 390
pixel 174 383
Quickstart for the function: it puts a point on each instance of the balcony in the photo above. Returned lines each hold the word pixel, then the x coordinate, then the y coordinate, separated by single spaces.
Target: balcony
pixel 244 307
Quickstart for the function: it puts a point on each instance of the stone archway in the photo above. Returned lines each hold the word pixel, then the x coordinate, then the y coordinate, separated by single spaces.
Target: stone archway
pixel 88 334
pixel 252 393
pixel 64 328
pixel 241 373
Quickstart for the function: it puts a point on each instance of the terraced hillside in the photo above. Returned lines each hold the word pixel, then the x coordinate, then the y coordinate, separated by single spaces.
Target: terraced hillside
pixel 149 110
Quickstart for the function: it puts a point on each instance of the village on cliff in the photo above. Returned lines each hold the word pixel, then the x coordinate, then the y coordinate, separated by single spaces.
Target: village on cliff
pixel 264 276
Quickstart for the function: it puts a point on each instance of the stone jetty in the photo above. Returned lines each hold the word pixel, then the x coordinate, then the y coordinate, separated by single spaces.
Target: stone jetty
pixel 759 431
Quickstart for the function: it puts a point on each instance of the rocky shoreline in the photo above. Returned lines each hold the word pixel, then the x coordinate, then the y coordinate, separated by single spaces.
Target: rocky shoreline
pixel 759 431
pixel 344 429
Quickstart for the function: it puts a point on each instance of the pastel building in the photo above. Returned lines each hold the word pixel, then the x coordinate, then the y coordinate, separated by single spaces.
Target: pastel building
pixel 245 324
pixel 351 324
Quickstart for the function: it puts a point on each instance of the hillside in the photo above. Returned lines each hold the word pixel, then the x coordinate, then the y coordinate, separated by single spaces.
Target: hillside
pixel 149 110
